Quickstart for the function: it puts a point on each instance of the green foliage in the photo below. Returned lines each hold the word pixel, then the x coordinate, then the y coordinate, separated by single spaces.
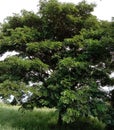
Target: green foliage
pixel 45 50
pixel 63 20
pixel 65 52
pixel 21 69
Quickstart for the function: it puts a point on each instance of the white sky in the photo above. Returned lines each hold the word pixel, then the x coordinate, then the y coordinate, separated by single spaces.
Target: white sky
pixel 8 7
pixel 104 9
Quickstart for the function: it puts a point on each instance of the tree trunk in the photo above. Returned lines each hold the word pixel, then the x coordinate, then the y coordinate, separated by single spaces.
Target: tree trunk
pixel 60 121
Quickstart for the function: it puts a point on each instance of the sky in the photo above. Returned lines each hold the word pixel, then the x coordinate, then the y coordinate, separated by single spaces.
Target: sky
pixel 8 7
pixel 103 11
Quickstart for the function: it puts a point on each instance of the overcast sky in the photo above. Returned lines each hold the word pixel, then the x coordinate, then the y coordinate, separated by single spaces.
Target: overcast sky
pixel 104 9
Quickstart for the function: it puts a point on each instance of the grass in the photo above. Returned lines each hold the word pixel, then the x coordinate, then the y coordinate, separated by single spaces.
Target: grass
pixel 40 119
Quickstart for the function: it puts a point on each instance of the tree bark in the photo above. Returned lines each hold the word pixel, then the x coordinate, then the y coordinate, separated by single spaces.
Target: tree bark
pixel 60 122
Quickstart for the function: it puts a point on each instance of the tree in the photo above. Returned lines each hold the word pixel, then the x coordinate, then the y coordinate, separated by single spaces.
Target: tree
pixel 65 52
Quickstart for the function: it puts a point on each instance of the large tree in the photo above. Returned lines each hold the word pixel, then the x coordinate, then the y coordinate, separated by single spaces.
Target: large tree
pixel 65 52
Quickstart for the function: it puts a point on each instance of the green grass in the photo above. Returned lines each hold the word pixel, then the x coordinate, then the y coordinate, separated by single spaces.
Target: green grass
pixel 40 119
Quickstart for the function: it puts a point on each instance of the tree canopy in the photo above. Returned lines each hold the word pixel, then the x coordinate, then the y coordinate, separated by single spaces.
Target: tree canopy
pixel 64 51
